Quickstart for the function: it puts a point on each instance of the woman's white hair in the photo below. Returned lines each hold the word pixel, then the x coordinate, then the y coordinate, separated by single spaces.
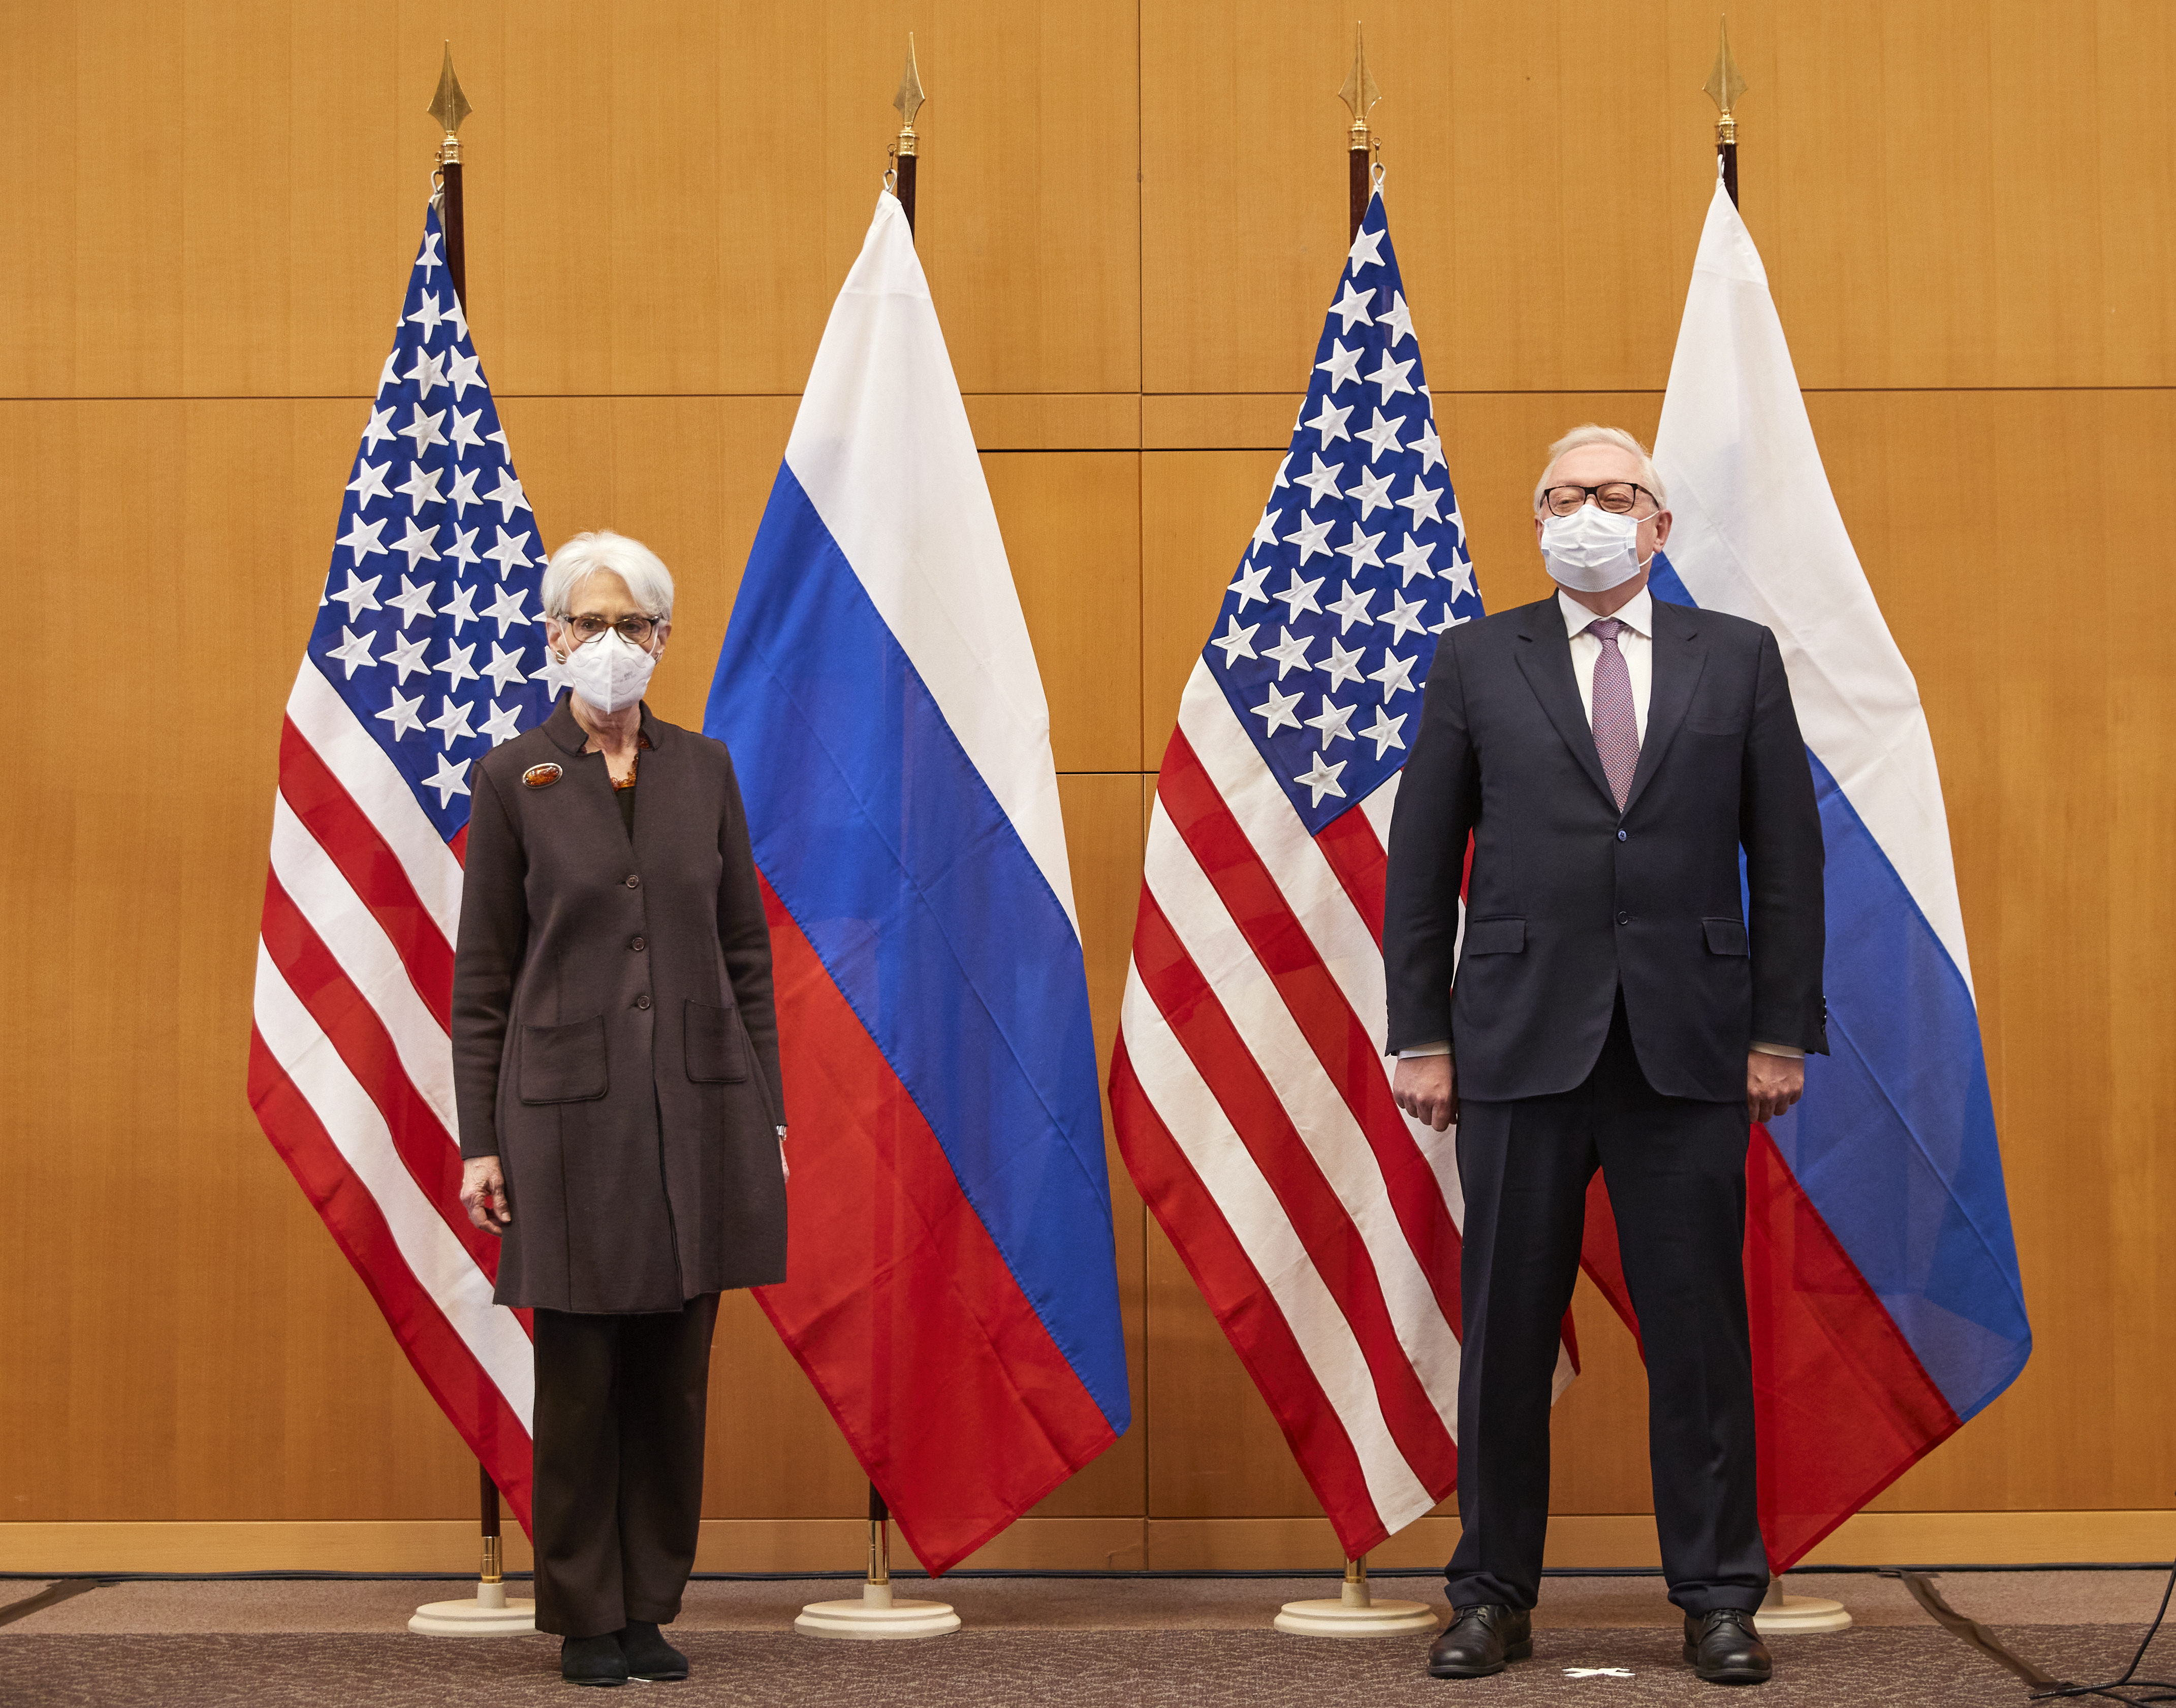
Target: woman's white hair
pixel 1593 434
pixel 580 557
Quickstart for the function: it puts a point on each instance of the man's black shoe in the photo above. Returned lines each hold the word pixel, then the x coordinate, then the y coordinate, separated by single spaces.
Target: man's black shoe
pixel 1479 1639
pixel 648 1655
pixel 592 1660
pixel 1724 1649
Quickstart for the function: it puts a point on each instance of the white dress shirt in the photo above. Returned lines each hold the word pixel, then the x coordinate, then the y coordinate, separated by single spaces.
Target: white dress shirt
pixel 1636 641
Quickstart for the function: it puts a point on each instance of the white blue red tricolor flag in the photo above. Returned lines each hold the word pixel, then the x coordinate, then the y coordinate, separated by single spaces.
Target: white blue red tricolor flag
pixel 1252 1100
pixel 427 652
pixel 1886 1303
pixel 952 1288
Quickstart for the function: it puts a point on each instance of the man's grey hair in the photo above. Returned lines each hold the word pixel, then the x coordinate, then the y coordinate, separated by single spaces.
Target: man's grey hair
pixel 647 578
pixel 1593 434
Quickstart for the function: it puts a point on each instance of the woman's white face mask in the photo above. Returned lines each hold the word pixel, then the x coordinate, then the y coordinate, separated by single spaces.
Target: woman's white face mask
pixel 610 671
pixel 1591 550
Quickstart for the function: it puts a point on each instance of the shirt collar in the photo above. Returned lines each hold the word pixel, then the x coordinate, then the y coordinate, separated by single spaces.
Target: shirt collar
pixel 1637 613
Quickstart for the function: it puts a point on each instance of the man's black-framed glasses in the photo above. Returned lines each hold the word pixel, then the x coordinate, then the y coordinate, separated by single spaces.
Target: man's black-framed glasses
pixel 1618 497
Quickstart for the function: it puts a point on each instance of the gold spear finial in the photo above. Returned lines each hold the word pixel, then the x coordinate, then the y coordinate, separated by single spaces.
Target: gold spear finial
pixel 1723 86
pixel 908 101
pixel 449 106
pixel 1359 93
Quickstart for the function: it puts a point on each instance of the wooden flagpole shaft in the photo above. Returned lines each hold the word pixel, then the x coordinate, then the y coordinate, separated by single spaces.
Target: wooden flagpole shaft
pixel 450 216
pixel 1727 152
pixel 905 187
pixel 494 1564
pixel 1357 193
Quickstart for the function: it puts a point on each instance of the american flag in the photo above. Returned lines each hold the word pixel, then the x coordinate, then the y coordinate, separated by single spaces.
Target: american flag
pixel 1251 1098
pixel 427 652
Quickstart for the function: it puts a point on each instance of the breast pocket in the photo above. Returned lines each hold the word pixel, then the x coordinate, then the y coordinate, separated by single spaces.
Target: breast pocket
pixel 717 1055
pixel 563 1064
pixel 1734 727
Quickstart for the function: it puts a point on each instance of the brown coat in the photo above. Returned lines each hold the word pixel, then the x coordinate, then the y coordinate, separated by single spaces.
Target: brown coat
pixel 614 1041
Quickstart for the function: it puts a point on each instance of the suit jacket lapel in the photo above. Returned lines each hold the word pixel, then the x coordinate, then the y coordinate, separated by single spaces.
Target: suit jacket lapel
pixel 1545 659
pixel 1679 659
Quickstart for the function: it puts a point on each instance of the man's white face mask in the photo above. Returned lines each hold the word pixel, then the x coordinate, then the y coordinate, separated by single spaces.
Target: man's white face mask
pixel 610 671
pixel 1591 550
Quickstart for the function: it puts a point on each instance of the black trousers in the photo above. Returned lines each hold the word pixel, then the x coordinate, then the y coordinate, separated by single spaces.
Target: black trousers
pixel 620 1405
pixel 1676 1173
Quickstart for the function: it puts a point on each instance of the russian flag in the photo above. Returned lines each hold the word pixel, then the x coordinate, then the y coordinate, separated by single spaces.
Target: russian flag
pixel 1886 1303
pixel 953 1287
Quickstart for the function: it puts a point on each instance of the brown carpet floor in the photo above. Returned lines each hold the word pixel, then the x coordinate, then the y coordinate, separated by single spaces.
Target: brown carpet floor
pixel 1867 1668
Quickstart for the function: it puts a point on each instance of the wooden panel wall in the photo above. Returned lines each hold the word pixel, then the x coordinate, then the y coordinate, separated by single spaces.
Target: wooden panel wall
pixel 1132 214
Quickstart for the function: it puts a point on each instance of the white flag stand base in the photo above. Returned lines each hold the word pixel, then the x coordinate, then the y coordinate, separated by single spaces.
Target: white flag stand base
pixel 1355 1612
pixel 1783 1616
pixel 877 1617
pixel 490 1614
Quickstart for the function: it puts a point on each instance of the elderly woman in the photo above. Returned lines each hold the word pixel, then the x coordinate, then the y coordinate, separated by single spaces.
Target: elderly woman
pixel 616 1069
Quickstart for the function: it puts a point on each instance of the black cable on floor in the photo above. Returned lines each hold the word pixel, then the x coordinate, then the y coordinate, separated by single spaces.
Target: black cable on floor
pixel 2130 1680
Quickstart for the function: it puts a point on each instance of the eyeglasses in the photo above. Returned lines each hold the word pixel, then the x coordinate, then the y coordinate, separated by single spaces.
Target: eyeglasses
pixel 1618 497
pixel 635 630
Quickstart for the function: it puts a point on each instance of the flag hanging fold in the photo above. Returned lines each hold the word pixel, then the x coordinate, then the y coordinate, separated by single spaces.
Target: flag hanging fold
pixel 435 563
pixel 1886 1302
pixel 953 1287
pixel 1252 1100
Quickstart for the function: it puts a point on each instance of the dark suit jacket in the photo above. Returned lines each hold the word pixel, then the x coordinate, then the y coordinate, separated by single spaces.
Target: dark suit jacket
pixel 614 1041
pixel 1568 899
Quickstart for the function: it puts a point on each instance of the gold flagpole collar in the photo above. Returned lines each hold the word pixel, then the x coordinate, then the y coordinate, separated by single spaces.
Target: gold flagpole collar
pixel 1723 86
pixel 908 101
pixel 449 106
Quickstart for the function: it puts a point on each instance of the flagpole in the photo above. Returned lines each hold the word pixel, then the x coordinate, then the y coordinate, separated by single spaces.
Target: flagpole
pixel 906 159
pixel 878 1613
pixel 1359 94
pixel 1777 1611
pixel 1356 1612
pixel 1723 86
pixel 490 1612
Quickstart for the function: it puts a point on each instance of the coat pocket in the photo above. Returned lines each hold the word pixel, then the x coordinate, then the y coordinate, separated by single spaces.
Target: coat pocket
pixel 1725 936
pixel 1714 726
pixel 563 1064
pixel 716 1056
pixel 1501 936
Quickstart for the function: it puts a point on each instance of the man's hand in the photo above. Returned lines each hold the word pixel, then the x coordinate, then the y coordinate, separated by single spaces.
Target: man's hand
pixel 1426 1088
pixel 1772 1083
pixel 483 1194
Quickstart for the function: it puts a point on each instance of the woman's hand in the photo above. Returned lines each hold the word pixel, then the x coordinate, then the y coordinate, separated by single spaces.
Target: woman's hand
pixel 782 1163
pixel 483 1194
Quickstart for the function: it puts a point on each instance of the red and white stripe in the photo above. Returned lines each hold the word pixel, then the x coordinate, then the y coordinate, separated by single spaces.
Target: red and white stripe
pixel 1253 1105
pixel 351 1064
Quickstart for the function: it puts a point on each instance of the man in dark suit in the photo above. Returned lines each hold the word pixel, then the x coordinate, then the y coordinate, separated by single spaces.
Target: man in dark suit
pixel 1619 1001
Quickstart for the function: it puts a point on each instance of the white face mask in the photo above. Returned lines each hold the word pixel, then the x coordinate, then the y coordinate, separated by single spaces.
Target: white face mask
pixel 610 671
pixel 1592 551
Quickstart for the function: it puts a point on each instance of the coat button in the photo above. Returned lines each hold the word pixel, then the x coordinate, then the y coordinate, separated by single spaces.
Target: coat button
pixel 1625 919
pixel 635 944
pixel 633 881
pixel 1620 836
pixel 642 1002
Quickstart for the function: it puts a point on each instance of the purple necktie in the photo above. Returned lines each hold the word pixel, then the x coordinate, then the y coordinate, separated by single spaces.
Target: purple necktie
pixel 1616 729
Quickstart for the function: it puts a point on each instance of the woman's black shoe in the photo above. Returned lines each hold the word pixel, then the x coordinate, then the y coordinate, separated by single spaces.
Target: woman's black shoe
pixel 592 1660
pixel 648 1655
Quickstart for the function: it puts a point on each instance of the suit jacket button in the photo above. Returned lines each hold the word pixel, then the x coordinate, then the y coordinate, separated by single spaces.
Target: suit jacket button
pixel 642 1002
pixel 635 944
pixel 1620 836
pixel 633 881
pixel 1625 919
